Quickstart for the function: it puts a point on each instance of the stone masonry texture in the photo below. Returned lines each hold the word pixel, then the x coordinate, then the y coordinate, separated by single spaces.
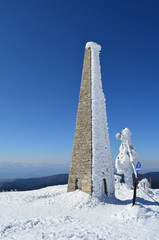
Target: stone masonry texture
pixel 81 165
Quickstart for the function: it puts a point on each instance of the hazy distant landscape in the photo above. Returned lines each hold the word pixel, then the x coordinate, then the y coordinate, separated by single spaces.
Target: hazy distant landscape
pixel 23 177
pixel 13 170
pixel 58 179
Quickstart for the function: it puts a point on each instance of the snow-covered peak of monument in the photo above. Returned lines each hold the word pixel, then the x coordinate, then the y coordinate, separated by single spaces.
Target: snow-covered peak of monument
pixel 93 46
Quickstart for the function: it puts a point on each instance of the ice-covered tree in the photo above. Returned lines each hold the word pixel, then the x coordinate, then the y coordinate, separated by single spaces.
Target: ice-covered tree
pixel 127 154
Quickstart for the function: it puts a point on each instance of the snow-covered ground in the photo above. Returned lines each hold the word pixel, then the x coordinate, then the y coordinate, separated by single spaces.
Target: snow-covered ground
pixel 52 213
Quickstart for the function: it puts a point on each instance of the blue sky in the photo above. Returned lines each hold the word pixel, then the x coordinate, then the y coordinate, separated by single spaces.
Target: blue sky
pixel 41 56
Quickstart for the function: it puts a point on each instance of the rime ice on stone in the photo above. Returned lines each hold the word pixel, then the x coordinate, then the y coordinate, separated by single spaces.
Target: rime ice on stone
pixel 91 166
pixel 102 167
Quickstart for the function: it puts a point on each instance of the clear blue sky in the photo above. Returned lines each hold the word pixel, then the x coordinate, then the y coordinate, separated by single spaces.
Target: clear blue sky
pixel 41 56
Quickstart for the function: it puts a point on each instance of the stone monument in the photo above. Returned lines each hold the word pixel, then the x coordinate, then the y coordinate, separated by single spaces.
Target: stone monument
pixel 91 167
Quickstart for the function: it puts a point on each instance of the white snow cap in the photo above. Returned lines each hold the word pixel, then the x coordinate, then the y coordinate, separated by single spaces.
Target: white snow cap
pixel 93 45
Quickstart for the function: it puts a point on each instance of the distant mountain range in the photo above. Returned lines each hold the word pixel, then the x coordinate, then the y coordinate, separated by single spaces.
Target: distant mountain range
pixel 59 179
pixel 33 183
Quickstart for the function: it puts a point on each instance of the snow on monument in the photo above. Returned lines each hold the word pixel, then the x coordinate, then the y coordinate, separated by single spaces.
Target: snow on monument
pixel 127 154
pixel 91 167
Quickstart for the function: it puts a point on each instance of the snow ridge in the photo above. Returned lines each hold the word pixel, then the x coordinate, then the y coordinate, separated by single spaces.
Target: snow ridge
pixel 102 167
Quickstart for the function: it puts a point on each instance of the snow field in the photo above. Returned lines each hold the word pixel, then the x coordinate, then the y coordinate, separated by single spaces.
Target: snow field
pixel 52 213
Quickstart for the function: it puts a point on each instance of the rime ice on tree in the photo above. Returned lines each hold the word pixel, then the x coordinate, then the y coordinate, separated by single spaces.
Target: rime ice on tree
pixel 123 160
pixel 91 166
